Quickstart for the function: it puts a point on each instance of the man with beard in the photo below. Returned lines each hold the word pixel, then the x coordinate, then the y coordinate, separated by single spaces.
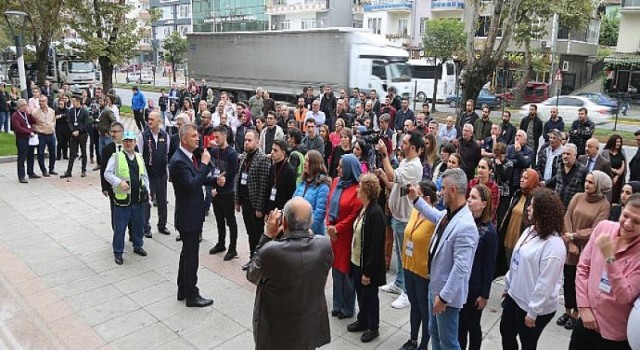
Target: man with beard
pixel 328 106
pixel 532 125
pixel 256 103
pixel 569 177
pixel 555 122
pixel 341 113
pixel 421 128
pixel 300 113
pixel 405 113
pixel 271 133
pixel 508 130
pixel 581 130
pixel 482 126
pixel 469 116
pixel 469 150
pixel 389 109
pixel 282 177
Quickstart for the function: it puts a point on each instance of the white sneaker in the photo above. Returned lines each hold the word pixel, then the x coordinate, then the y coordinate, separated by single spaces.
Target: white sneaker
pixel 391 288
pixel 402 302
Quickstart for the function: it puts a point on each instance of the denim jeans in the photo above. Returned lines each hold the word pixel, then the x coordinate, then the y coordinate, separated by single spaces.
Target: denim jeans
pixel 4 121
pixel 48 141
pixel 398 236
pixel 344 294
pixel 121 217
pixel 103 141
pixel 418 291
pixel 443 327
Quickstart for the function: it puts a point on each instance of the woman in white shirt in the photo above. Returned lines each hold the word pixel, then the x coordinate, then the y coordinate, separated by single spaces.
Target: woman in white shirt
pixel 532 284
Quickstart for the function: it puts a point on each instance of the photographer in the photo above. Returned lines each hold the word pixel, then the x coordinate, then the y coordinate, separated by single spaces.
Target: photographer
pixel 408 172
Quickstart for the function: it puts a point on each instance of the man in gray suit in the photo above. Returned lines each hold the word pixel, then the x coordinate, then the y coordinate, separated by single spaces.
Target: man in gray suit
pixel 451 252
pixel 595 160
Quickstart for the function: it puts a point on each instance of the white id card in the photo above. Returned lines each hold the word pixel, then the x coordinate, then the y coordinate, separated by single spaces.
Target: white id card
pixel 243 178
pixel 409 249
pixel 515 261
pixel 272 197
pixel 605 284
pixel 216 172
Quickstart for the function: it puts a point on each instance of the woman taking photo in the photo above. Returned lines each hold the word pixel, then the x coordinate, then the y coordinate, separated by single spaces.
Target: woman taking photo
pixel 483 269
pixel 618 165
pixel 344 147
pixel 584 212
pixel 628 189
pixel 342 209
pixel 416 267
pixel 535 273
pixel 484 171
pixel 314 187
pixel 367 258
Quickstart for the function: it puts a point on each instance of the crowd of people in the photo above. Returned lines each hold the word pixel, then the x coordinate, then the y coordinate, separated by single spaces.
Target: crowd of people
pixel 456 206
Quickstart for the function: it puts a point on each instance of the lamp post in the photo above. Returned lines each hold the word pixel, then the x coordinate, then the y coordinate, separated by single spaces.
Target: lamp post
pixel 16 21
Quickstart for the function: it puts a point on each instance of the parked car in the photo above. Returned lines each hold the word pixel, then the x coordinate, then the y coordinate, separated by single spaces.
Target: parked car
pixel 144 76
pixel 568 107
pixel 534 92
pixel 601 99
pixel 484 98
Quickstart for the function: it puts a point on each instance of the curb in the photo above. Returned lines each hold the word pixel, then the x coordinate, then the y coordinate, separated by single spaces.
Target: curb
pixel 8 159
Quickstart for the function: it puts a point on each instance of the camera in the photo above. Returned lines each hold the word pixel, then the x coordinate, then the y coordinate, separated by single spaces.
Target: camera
pixel 372 136
pixel 404 190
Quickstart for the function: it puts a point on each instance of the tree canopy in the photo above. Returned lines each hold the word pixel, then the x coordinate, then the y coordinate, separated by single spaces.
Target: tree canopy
pixel 609 28
pixel 175 47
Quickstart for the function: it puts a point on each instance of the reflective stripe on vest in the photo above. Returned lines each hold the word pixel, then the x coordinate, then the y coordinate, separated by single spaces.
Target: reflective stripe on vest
pixel 123 198
pixel 300 167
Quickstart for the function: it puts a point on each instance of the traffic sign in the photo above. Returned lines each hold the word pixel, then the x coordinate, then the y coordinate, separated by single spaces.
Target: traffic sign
pixel 558 75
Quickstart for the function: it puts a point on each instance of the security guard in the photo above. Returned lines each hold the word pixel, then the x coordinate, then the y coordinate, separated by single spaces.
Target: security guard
pixel 128 176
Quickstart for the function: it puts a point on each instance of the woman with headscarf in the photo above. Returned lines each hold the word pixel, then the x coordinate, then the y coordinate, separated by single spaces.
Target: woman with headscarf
pixel 516 219
pixel 584 212
pixel 628 189
pixel 342 209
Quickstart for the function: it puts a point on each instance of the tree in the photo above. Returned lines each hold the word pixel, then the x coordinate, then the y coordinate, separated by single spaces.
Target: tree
pixel 443 38
pixel 175 47
pixel 609 28
pixel 482 61
pixel 44 23
pixel 107 33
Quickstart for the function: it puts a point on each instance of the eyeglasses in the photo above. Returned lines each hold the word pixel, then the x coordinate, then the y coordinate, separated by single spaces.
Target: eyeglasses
pixel 563 139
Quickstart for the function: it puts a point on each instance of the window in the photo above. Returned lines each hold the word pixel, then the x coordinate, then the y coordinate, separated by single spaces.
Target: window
pixel 423 72
pixel 308 23
pixel 378 70
pixel 403 26
pixel 483 26
pixel 167 12
pixel 374 24
pixel 184 11
pixel 183 29
pixel 285 24
pixel 423 24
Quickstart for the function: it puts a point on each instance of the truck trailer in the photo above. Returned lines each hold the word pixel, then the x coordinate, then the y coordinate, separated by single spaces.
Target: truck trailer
pixel 285 61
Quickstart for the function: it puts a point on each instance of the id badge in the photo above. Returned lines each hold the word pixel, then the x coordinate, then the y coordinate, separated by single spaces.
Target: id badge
pixel 272 197
pixel 243 178
pixel 409 249
pixel 515 261
pixel 75 124
pixel 605 284
pixel 216 172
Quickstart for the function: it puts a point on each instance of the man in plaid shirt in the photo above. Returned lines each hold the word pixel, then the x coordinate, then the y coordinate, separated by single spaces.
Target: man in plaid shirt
pixel 252 188
pixel 569 177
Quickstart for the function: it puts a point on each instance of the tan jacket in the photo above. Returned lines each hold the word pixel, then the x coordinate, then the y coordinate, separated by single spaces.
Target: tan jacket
pixel 45 122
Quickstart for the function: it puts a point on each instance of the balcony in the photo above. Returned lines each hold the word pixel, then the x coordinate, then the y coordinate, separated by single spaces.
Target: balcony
pixel 629 5
pixel 279 7
pixel 389 6
pixel 402 38
pixel 447 5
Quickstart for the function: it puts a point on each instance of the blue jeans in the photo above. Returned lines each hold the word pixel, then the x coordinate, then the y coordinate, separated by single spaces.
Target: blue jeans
pixel 443 327
pixel 418 293
pixel 103 141
pixel 4 121
pixel 398 236
pixel 344 293
pixel 121 217
pixel 48 141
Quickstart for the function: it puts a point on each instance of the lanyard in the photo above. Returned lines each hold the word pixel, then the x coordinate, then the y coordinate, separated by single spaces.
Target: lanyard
pixel 526 240
pixel 26 120
pixel 277 172
pixel 76 113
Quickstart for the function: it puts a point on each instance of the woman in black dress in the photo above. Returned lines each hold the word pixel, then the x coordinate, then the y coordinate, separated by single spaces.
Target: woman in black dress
pixel 618 165
pixel 63 133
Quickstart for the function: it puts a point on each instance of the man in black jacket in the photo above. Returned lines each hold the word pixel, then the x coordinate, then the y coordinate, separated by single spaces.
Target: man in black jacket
pixel 469 116
pixel 328 105
pixel 532 125
pixel 282 177
pixel 78 124
pixel 155 150
pixel 4 109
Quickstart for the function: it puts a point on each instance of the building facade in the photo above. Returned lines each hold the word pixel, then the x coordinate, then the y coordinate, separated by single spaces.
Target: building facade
pixel 175 16
pixel 229 15
pixel 308 14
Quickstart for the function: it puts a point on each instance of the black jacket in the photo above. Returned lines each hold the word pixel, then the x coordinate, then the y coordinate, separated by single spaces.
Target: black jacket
pixel 537 130
pixel 285 184
pixel 79 123
pixel 372 250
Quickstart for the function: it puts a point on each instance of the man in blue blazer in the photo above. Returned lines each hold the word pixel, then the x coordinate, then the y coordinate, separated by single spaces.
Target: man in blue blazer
pixel 451 252
pixel 188 175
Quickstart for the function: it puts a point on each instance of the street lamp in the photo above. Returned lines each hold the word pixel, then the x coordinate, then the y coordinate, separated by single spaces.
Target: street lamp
pixel 16 21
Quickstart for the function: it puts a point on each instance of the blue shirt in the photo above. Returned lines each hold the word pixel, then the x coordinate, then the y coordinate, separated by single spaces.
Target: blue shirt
pixel 138 102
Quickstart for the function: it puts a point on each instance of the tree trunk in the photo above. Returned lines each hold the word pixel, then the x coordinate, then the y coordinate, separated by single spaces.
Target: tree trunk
pixel 474 77
pixel 435 86
pixel 173 71
pixel 42 60
pixel 106 67
pixel 522 83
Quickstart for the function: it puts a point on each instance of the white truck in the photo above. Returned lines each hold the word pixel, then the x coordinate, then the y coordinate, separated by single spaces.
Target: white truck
pixel 285 61
pixel 74 72
pixel 423 74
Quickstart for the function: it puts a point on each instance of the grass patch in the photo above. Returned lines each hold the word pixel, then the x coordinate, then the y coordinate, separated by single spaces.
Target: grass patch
pixel 125 109
pixel 8 145
pixel 628 139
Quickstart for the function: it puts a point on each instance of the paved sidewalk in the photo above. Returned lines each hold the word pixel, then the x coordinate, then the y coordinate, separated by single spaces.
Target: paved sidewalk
pixel 60 289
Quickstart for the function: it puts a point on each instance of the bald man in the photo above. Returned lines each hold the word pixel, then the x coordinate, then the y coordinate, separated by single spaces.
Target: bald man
pixel 291 273
pixel 521 155
pixel 593 159
pixel 155 150
pixel 555 122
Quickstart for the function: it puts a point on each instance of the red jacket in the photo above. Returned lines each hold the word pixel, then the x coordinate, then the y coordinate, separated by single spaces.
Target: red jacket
pixel 19 125
pixel 350 207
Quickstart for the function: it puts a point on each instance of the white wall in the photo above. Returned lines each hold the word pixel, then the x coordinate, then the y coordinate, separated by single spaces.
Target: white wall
pixel 629 40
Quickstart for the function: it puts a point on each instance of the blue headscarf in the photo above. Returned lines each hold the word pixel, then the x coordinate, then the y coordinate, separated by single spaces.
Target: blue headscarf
pixel 350 174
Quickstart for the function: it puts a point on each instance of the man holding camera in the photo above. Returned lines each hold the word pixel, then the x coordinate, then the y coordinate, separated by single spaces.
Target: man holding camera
pixel 408 172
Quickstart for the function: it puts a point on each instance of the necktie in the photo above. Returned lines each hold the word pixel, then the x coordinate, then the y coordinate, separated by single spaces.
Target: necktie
pixel 590 165
pixel 194 161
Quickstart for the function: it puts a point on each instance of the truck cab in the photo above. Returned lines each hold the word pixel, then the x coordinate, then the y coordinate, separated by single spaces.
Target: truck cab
pixel 74 72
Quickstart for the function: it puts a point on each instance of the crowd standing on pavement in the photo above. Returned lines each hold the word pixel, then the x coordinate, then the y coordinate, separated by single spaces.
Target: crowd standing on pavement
pixel 347 182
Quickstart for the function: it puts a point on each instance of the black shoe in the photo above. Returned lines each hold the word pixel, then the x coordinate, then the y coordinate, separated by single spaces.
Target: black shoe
pixel 342 316
pixel 53 172
pixel 562 320
pixel 230 254
pixel 245 267
pixel 200 238
pixel 45 174
pixel 369 335
pixel 140 251
pixel 356 327
pixel 571 323
pixel 130 237
pixel 23 180
pixel 181 296
pixel 206 213
pixel 334 313
pixel 198 302
pixel 178 238
pixel 96 168
pixel 58 157
pixel 84 174
pixel 218 248
pixel 65 157
pixel 118 259
pixel 164 231
pixel 410 345
pixel 65 175
pixel 148 234
pixel 34 176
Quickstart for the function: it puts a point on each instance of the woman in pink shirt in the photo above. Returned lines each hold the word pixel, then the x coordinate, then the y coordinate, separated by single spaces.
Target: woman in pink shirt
pixel 608 281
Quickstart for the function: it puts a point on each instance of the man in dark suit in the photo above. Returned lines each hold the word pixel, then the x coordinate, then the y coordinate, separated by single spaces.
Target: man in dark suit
pixel 594 160
pixel 188 175
pixel 155 149
pixel 91 91
pixel 79 126
pixel 47 90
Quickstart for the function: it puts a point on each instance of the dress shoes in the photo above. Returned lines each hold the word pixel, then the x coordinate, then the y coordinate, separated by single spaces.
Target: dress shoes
pixel 164 231
pixel 65 175
pixel 245 267
pixel 148 234
pixel 356 327
pixel 34 176
pixel 178 238
pixel 84 174
pixel 342 316
pixel 199 302
pixel 369 335
pixel 118 259
pixel 334 313
pixel 45 174
pixel 232 253
pixel 96 168
pixel 181 296
pixel 23 180
pixel 218 248
pixel 53 172
pixel 140 251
